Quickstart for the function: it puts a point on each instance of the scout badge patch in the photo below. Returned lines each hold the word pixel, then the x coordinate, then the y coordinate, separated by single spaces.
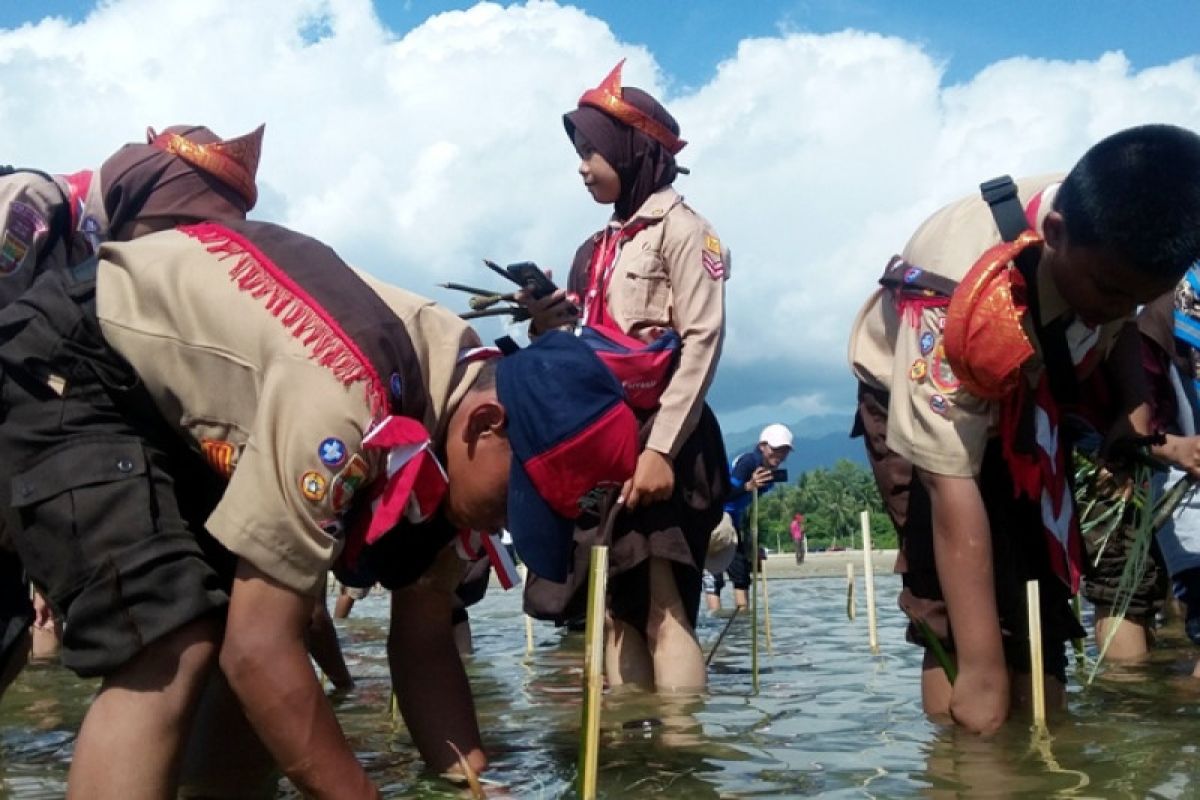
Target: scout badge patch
pixel 220 455
pixel 21 229
pixel 711 257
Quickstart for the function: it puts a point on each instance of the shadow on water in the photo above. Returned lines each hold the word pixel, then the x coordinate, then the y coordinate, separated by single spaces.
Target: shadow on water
pixel 830 718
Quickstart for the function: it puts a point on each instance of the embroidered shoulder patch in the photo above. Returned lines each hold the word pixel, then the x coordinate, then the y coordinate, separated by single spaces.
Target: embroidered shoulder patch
pixel 21 229
pixel 711 257
pixel 220 455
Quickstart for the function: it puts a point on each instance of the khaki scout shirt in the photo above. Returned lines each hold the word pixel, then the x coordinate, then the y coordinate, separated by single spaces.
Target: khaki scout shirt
pixel 231 377
pixel 671 274
pixel 931 421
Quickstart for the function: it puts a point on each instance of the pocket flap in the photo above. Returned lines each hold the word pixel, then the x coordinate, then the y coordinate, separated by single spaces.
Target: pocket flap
pixel 79 464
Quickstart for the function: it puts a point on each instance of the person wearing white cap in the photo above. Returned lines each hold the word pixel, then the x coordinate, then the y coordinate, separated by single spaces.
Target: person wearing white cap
pixel 755 470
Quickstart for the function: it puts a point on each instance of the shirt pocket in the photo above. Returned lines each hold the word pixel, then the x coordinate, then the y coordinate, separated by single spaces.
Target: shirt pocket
pixel 644 287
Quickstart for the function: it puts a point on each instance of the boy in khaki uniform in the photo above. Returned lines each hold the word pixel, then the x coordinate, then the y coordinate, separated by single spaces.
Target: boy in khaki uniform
pixel 963 394
pixel 222 411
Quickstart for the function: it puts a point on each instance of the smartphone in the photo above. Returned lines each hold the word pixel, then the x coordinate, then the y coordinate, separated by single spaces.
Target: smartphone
pixel 779 476
pixel 530 276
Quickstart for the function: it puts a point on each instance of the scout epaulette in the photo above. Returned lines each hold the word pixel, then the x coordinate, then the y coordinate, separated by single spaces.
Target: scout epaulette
pixel 913 289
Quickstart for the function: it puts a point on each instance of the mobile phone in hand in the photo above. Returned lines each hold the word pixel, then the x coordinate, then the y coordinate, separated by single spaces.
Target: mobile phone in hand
pixel 779 475
pixel 529 276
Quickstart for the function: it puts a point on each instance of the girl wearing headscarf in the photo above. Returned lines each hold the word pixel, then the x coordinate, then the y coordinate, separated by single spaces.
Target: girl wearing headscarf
pixel 651 285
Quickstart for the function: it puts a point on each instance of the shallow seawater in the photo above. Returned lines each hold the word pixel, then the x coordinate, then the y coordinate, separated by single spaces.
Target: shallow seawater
pixel 830 718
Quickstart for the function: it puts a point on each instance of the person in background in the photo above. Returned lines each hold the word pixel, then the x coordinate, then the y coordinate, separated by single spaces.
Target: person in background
pixel 796 528
pixel 752 471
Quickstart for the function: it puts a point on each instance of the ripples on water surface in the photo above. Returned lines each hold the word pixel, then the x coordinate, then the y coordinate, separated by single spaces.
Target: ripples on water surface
pixel 830 719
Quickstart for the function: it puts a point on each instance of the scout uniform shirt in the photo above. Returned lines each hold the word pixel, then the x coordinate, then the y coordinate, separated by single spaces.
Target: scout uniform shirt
pixel 46 222
pixel 669 272
pixel 932 422
pixel 232 376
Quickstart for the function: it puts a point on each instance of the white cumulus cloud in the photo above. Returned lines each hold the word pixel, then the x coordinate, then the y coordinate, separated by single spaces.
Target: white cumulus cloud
pixel 414 155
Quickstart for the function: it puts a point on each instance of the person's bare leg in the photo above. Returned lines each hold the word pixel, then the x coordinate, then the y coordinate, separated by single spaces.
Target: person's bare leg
pixel 342 606
pixel 325 648
pixel 678 659
pixel 626 656
pixel 713 601
pixel 1130 643
pixel 46 631
pixel 462 638
pixel 740 598
pixel 935 688
pixel 223 757
pixel 131 742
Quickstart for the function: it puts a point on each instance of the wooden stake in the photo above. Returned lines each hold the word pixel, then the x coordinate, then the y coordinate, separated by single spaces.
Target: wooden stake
pixel 754 591
pixel 721 637
pixel 524 572
pixel 851 606
pixel 1033 608
pixel 593 673
pixel 869 580
pixel 767 611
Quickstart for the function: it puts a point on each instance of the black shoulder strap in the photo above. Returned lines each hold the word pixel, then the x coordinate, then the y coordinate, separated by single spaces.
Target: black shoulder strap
pixel 1001 196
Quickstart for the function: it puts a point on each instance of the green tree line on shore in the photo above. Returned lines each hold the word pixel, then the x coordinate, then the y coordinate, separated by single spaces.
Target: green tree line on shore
pixel 831 500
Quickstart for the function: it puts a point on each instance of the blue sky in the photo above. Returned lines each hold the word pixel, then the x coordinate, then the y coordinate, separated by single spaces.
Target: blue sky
pixel 690 37
pixel 417 137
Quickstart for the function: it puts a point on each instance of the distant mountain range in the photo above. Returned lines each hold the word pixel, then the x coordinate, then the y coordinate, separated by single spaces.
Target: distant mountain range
pixel 820 441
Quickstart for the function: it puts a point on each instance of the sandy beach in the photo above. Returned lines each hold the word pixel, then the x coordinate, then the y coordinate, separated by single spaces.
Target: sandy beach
pixel 824 565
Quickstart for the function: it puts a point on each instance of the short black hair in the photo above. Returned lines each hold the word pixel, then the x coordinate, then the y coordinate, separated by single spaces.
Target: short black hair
pixel 1137 193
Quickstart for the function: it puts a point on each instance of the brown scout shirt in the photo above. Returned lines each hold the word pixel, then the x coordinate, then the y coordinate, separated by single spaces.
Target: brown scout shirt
pixel 229 375
pixel 931 421
pixel 671 274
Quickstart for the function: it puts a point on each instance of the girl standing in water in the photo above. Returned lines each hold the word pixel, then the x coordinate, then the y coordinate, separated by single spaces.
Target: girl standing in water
pixel 649 288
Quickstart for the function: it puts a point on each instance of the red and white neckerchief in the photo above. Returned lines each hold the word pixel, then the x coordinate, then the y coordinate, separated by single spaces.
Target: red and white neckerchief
pixel 473 545
pixel 604 261
pixel 414 482
pixel 1059 521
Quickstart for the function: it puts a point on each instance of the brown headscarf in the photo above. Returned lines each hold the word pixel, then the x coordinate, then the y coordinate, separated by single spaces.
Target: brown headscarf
pixel 643 164
pixel 142 180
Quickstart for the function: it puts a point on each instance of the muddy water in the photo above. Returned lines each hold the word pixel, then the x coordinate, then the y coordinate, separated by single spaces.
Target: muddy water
pixel 830 718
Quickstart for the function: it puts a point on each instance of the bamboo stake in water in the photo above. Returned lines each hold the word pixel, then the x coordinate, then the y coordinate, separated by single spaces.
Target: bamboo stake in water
pixel 754 590
pixel 767 610
pixel 593 673
pixel 869 580
pixel 1033 607
pixel 721 637
pixel 524 571
pixel 851 606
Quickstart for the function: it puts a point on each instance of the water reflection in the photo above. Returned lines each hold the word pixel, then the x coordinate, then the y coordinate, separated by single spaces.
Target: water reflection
pixel 830 719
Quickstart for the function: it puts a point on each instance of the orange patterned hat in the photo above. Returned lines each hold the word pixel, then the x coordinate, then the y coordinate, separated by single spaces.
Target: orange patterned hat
pixel 233 161
pixel 608 98
pixel 984 340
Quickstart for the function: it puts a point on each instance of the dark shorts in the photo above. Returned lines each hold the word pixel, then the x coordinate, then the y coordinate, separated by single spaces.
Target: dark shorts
pixel 1019 551
pixel 16 610
pixel 105 504
pixel 676 530
pixel 738 570
pixel 1106 561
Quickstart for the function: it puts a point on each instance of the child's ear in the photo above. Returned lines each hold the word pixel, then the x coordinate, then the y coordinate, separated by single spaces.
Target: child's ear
pixel 486 418
pixel 1054 230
